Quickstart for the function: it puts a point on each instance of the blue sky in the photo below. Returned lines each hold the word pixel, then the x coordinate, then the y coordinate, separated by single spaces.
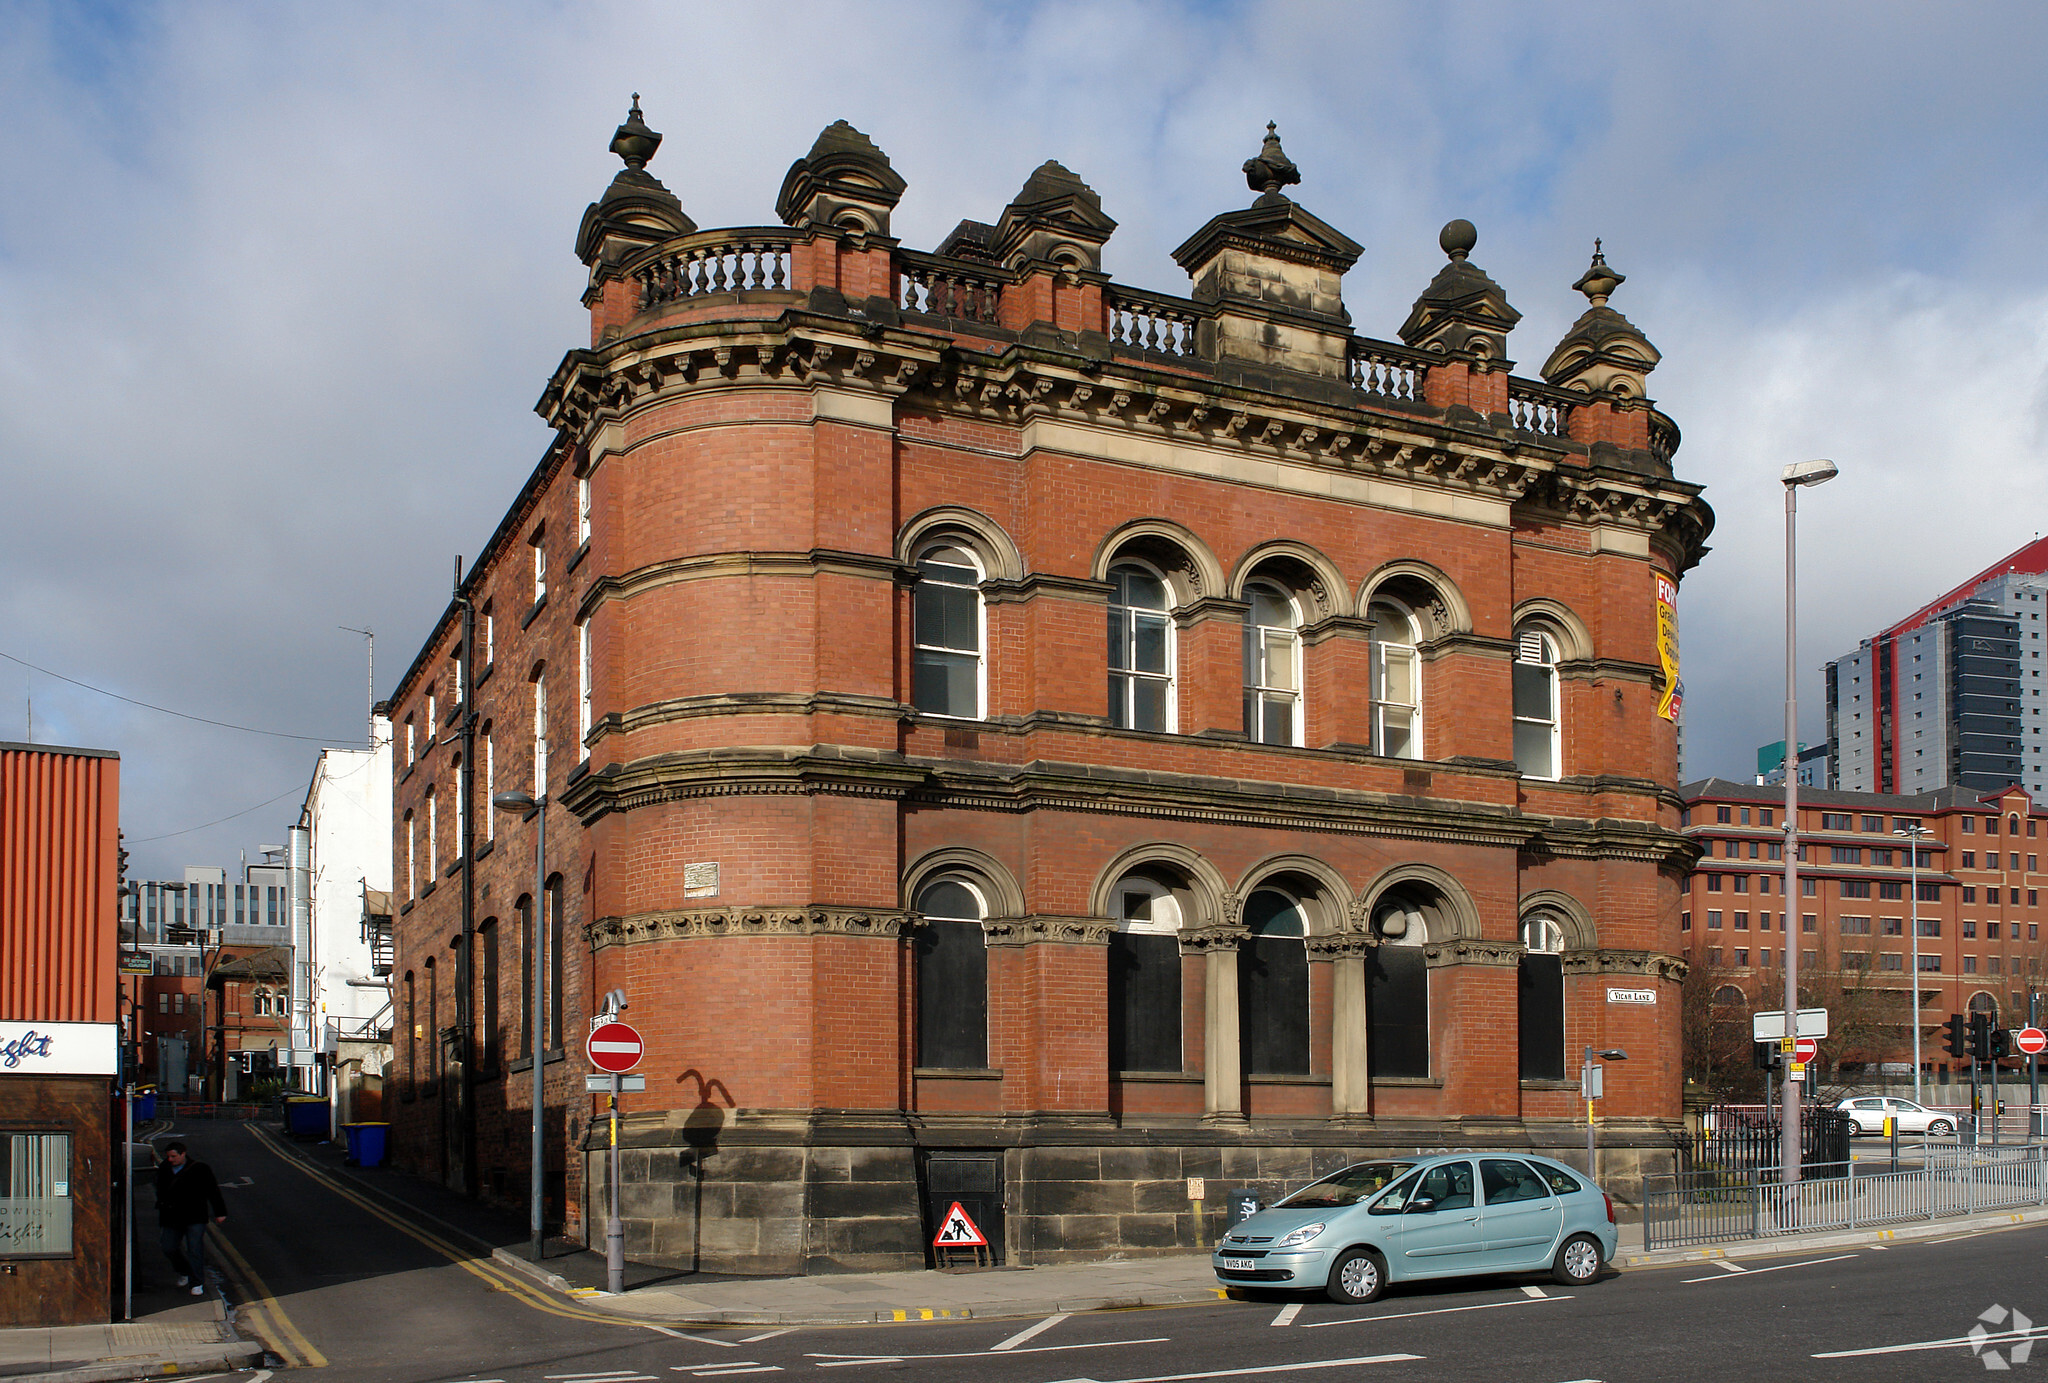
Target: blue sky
pixel 279 285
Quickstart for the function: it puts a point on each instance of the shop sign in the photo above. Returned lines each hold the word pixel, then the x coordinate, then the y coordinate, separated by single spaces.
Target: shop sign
pixel 59 1049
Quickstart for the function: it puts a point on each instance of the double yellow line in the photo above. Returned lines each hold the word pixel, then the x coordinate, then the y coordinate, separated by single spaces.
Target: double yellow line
pixel 467 1257
pixel 264 1316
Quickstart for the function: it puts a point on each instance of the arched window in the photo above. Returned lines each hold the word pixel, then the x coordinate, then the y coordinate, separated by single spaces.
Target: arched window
pixel 555 942
pixel 952 977
pixel 1536 717
pixel 433 833
pixel 1397 991
pixel 1272 986
pixel 412 873
pixel 1140 649
pixel 433 1022
pixel 1396 682
pixel 1981 1002
pixel 1144 978
pixel 946 633
pixel 1542 998
pixel 490 783
pixel 1730 996
pixel 540 731
pixel 489 1039
pixel 412 1035
pixel 1272 666
pixel 526 962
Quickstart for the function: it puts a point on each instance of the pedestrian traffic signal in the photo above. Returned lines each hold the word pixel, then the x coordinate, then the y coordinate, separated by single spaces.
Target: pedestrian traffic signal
pixel 1955 1038
pixel 1980 1036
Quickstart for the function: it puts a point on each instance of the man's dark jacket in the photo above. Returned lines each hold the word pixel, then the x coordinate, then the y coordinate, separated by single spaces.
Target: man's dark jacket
pixel 187 1197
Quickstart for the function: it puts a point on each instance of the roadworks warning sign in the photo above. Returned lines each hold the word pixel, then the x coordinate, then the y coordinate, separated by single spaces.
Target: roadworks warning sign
pixel 957 1231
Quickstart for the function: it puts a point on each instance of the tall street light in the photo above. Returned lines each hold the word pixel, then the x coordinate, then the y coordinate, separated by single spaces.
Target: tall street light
pixel 523 804
pixel 1793 476
pixel 1914 833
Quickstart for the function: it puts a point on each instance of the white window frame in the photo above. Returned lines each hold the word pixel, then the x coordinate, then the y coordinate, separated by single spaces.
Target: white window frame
pixel 1404 650
pixel 1162 908
pixel 490 637
pixel 1543 934
pixel 433 719
pixel 583 690
pixel 980 651
pixel 540 734
pixel 411 857
pixel 1259 689
pixel 540 564
pixel 412 755
pixel 1537 647
pixel 582 510
pixel 1127 617
pixel 433 832
pixel 490 786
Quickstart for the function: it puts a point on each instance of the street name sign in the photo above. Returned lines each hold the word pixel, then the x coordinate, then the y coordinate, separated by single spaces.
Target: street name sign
pixel 615 1047
pixel 1769 1026
pixel 602 1085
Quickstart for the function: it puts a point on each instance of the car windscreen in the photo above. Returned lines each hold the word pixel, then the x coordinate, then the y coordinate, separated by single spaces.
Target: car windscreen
pixel 1347 1187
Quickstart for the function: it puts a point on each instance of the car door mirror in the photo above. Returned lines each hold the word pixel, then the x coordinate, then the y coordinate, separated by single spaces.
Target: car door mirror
pixel 1421 1205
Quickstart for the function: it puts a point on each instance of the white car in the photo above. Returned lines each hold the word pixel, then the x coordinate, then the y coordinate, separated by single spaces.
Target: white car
pixel 1869 1113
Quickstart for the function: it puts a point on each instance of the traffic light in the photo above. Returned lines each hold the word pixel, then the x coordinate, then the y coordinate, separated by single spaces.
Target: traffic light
pixel 1955 1039
pixel 1980 1036
pixel 1766 1056
pixel 2001 1043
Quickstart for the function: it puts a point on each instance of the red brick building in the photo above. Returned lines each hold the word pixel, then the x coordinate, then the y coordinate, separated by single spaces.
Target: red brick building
pixel 1979 907
pixel 1022 739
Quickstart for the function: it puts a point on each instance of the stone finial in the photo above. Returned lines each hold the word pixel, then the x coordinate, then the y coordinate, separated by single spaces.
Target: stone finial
pixel 844 182
pixel 1272 169
pixel 1463 311
pixel 1054 218
pixel 636 210
pixel 634 142
pixel 1599 282
pixel 1603 353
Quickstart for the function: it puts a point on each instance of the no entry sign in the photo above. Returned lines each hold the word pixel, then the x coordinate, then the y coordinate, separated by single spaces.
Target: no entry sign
pixel 1805 1049
pixel 615 1047
pixel 2030 1040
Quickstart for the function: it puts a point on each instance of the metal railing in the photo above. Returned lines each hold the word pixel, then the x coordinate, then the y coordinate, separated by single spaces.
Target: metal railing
pixel 1716 1207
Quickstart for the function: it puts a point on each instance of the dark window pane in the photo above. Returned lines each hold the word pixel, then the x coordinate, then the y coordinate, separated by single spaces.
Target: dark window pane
pixel 952 995
pixel 1148 704
pixel 943 683
pixel 1276 724
pixel 1272 996
pixel 1144 1002
pixel 1119 641
pixel 1149 644
pixel 1267 913
pixel 950 900
pixel 1533 751
pixel 1542 1017
pixel 1532 691
pixel 1397 993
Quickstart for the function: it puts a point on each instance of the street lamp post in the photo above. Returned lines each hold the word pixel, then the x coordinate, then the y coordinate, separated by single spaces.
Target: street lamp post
pixel 1792 477
pixel 522 803
pixel 1914 833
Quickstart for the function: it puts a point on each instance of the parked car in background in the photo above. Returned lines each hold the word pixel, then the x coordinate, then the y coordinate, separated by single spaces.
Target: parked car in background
pixel 1868 1113
pixel 1354 1232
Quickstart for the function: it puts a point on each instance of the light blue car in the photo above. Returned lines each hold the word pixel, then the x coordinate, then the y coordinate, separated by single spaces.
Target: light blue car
pixel 1406 1218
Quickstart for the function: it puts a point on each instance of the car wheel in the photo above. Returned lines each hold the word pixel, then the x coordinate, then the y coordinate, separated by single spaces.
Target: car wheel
pixel 1359 1276
pixel 1941 1128
pixel 1578 1261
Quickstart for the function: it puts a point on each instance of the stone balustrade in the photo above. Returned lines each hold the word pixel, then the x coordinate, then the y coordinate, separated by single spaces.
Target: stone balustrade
pixel 720 261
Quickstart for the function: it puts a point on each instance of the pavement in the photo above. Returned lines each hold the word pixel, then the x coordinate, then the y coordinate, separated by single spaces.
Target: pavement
pixel 176 1334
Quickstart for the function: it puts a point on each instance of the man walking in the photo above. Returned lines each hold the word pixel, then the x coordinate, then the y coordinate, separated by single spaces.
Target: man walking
pixel 186 1196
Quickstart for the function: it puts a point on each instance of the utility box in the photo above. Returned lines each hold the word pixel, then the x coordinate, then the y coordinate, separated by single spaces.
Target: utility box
pixel 1244 1203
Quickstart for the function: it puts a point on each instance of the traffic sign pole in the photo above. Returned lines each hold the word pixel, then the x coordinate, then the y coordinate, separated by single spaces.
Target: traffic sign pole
pixel 2034 1066
pixel 614 1048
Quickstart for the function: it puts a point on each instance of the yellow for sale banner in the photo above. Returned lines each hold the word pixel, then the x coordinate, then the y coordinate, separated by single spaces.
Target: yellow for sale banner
pixel 1667 648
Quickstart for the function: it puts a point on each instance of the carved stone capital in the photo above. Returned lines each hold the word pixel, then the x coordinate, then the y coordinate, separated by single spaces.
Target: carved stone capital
pixel 1655 964
pixel 1467 951
pixel 1338 945
pixel 1047 928
pixel 1212 938
pixel 692 924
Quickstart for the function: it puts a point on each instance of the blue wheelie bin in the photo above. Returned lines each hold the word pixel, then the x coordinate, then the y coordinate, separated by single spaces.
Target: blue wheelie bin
pixel 305 1116
pixel 365 1143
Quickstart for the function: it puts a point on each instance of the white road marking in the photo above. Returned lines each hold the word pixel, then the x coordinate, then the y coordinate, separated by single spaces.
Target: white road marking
pixel 1776 1268
pixel 1029 1333
pixel 1727 1267
pixel 756 1339
pixel 724 1370
pixel 1537 1292
pixel 1287 1314
pixel 1265 1368
pixel 843 1360
pixel 712 1368
pixel 596 1377
pixel 707 1340
pixel 1440 1311
pixel 1993 1337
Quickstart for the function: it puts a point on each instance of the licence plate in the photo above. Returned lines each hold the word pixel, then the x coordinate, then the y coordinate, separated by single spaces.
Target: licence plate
pixel 1237 1265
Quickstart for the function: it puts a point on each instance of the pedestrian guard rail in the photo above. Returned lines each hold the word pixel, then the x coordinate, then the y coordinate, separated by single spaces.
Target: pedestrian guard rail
pixel 1725 1206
